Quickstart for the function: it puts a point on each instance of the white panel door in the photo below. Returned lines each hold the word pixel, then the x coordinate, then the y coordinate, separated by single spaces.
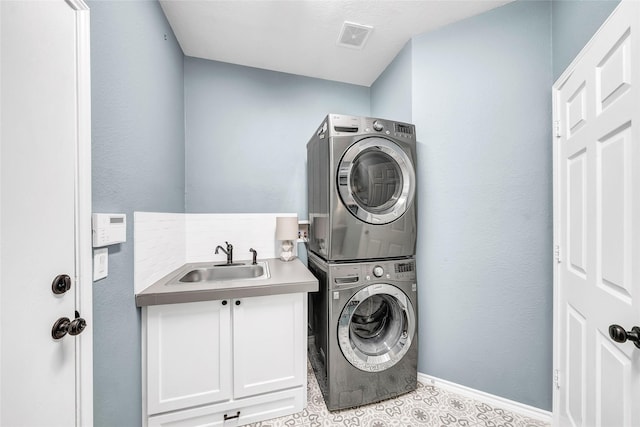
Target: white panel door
pixel 597 228
pixel 45 208
pixel 269 336
pixel 188 355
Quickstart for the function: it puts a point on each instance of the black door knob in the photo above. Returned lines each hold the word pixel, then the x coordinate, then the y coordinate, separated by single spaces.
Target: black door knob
pixel 60 328
pixel 619 334
pixel 64 326
pixel 77 326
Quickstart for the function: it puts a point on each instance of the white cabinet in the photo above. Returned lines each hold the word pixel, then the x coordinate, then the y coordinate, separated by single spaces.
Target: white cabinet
pixel 269 338
pixel 188 355
pixel 224 362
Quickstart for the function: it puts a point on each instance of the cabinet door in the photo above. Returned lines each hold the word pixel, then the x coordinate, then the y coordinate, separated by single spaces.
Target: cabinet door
pixel 188 355
pixel 269 343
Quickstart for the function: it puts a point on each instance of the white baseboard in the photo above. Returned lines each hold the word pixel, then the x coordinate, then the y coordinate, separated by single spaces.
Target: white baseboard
pixel 491 399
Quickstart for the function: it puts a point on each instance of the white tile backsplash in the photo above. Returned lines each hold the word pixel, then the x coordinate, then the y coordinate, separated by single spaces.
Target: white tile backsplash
pixel 164 241
pixel 243 231
pixel 158 245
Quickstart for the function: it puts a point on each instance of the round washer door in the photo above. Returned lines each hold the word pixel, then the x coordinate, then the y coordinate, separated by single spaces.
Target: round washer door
pixel 376 327
pixel 376 180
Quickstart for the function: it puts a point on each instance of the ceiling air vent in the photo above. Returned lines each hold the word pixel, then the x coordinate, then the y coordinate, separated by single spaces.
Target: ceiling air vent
pixel 354 35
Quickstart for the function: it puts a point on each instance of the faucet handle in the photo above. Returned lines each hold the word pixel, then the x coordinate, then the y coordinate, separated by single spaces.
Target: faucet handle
pixel 229 246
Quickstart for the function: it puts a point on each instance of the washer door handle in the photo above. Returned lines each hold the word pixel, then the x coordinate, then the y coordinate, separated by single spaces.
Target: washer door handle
pixel 405 324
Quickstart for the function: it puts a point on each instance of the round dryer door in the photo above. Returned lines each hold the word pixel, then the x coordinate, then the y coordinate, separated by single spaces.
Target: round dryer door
pixel 376 180
pixel 376 327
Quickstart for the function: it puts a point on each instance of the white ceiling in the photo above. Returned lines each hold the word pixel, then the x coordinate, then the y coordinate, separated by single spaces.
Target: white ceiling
pixel 300 36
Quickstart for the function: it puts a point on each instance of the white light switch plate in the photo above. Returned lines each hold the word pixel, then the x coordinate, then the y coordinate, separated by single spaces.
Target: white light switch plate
pixel 100 263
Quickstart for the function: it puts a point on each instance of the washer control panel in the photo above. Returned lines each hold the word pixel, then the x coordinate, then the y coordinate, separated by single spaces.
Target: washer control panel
pixel 378 271
pixel 391 270
pixel 405 270
pixel 348 275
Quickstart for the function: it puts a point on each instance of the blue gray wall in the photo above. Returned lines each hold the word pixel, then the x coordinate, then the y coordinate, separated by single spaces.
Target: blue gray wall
pixel 574 23
pixel 138 164
pixel 482 108
pixel 392 92
pixel 246 135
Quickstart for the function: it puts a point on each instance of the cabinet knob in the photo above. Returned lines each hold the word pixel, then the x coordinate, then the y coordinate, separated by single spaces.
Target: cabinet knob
pixel 224 302
pixel 237 302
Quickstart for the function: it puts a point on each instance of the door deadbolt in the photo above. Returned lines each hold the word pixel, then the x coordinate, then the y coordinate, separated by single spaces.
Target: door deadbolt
pixel 61 284
pixel 64 326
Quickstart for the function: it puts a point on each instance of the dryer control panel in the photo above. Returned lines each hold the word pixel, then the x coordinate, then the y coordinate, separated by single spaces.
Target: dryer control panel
pixel 340 124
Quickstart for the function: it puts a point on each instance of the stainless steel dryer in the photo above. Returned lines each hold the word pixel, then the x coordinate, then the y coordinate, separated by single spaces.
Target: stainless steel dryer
pixel 361 188
pixel 364 342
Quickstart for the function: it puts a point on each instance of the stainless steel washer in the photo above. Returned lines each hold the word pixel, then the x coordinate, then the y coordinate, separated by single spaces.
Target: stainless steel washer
pixel 364 318
pixel 362 186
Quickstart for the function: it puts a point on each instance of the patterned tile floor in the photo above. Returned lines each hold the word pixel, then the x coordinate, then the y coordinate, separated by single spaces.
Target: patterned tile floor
pixel 426 406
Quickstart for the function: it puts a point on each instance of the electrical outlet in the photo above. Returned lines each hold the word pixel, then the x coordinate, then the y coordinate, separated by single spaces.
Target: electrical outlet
pixel 303 230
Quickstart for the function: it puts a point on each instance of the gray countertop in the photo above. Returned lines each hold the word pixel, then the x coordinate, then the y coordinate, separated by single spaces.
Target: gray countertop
pixel 286 277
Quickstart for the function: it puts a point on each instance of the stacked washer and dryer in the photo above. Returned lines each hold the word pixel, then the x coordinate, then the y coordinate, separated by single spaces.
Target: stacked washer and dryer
pixel 363 344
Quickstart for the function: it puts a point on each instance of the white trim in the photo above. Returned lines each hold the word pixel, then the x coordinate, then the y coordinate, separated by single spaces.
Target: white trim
pixel 491 399
pixel 0 197
pixel 555 147
pixel 78 5
pixel 84 284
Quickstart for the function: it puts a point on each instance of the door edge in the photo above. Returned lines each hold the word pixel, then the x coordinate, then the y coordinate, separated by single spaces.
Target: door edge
pixel 84 261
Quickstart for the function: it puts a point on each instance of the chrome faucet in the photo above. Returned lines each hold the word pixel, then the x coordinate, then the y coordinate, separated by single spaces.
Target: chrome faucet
pixel 255 256
pixel 228 251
